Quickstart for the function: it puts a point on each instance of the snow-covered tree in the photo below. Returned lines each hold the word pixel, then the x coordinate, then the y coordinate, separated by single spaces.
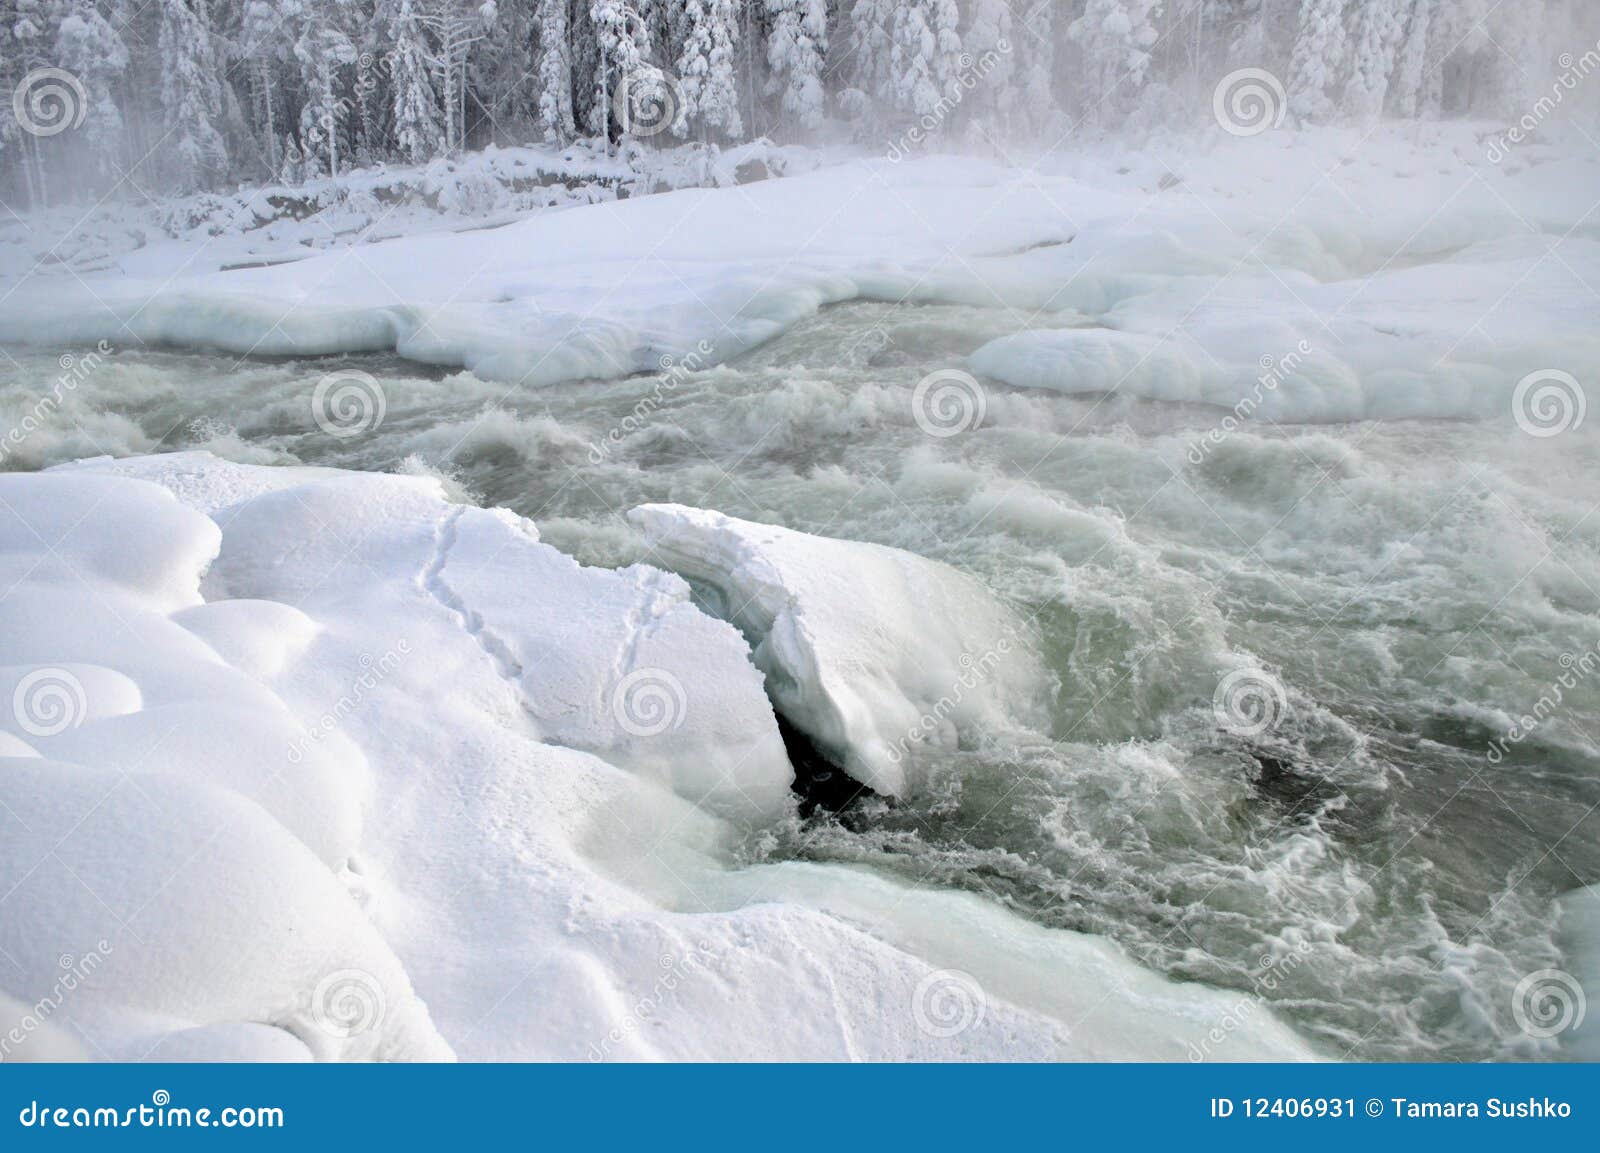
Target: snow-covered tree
pixel 1375 37
pixel 1115 37
pixel 1405 89
pixel 418 121
pixel 1319 51
pixel 797 50
pixel 191 95
pixel 90 48
pixel 555 72
pixel 323 51
pixel 710 32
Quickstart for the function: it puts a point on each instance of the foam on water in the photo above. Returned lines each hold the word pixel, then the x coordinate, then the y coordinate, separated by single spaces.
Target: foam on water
pixel 1408 587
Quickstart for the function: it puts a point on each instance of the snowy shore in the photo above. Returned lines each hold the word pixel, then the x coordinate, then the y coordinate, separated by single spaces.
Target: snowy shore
pixel 318 764
pixel 1335 265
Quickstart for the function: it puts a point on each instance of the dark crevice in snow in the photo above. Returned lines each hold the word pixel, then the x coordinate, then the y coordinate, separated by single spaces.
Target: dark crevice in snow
pixel 819 781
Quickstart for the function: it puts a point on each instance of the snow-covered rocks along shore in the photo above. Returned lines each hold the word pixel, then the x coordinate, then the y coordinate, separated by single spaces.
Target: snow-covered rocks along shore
pixel 871 651
pixel 1322 275
pixel 306 764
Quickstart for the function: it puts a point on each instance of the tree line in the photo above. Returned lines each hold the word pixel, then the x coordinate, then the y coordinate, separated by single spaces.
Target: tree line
pixel 164 96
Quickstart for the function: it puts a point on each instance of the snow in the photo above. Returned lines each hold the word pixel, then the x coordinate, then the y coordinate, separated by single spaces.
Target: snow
pixel 1379 262
pixel 871 651
pixel 499 894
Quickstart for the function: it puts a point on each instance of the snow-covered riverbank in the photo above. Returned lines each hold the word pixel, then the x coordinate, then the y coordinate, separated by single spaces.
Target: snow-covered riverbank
pixel 1363 273
pixel 300 759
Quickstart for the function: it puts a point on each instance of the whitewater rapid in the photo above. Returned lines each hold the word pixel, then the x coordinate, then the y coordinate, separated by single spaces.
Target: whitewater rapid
pixel 1360 864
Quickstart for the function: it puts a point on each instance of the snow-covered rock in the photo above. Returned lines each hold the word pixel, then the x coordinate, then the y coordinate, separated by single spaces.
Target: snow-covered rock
pixel 475 884
pixel 871 651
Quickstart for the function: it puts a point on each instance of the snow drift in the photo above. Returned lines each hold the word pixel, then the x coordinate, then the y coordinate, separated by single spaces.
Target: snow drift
pixel 1382 280
pixel 871 651
pixel 303 783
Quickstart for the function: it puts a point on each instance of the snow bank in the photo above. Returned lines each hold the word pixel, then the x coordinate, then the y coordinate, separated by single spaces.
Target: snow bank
pixel 499 893
pixel 871 651
pixel 1395 273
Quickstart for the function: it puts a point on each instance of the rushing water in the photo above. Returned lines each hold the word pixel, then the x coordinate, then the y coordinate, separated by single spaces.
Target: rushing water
pixel 1362 861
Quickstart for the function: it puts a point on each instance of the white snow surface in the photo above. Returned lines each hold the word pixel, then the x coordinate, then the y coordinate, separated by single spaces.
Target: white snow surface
pixel 327 766
pixel 873 652
pixel 1381 263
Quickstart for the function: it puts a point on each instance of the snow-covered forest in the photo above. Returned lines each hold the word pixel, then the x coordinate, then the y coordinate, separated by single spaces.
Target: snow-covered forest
pixel 182 95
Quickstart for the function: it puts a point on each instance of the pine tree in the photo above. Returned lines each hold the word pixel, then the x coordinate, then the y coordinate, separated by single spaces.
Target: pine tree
pixel 1406 89
pixel 1116 37
pixel 89 48
pixel 797 50
pixel 992 105
pixel 191 93
pixel 1318 54
pixel 262 46
pixel 418 131
pixel 1376 35
pixel 555 72
pixel 705 68
pixel 323 51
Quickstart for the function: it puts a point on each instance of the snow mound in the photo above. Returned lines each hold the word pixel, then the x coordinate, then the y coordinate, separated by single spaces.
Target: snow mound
pixel 217 914
pixel 871 651
pixel 1423 282
pixel 372 840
